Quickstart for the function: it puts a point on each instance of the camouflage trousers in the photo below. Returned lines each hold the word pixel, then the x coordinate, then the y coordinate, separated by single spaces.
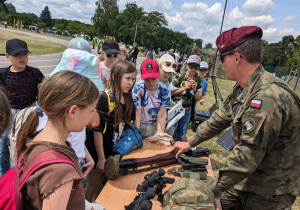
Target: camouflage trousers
pixel 235 199
pixel 148 130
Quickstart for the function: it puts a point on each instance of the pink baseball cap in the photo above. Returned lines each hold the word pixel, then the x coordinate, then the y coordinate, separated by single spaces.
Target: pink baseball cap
pixel 149 69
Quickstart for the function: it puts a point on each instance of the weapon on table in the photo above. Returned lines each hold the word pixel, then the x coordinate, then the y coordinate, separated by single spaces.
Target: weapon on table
pixel 142 201
pixel 114 166
pixel 164 158
pixel 155 178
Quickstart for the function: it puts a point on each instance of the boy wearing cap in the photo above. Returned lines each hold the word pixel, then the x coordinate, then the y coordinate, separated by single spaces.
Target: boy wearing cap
pixel 21 84
pixel 202 72
pixel 186 86
pixel 111 51
pixel 151 101
pixel 262 171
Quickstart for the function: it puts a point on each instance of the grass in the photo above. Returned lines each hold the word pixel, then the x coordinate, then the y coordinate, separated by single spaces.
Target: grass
pixel 36 45
pixel 219 154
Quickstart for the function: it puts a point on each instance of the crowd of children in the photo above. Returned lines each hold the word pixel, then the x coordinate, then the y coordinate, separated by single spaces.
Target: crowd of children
pixel 82 110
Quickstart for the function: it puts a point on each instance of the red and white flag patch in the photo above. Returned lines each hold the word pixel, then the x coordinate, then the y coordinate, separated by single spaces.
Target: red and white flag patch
pixel 255 103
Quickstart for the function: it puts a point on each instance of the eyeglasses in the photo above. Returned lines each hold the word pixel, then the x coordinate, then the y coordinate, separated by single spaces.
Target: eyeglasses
pixel 167 63
pixel 197 67
pixel 203 70
pixel 223 55
pixel 112 55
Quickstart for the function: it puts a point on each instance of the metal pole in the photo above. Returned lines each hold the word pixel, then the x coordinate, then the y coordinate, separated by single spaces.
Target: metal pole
pixel 135 33
pixel 220 33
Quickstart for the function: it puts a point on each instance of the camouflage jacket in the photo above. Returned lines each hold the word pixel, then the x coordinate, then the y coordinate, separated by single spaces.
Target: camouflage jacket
pixel 266 129
pixel 187 95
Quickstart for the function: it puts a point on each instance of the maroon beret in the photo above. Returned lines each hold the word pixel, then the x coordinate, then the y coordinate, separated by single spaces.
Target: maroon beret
pixel 196 50
pixel 234 37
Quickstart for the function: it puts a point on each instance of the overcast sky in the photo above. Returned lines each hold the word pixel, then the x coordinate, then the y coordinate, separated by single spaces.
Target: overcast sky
pixel 199 19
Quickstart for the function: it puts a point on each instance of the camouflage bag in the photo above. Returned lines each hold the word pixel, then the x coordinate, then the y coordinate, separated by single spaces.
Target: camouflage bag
pixel 188 194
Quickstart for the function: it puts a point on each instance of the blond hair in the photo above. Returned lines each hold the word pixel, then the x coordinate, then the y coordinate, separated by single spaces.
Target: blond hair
pixel 122 48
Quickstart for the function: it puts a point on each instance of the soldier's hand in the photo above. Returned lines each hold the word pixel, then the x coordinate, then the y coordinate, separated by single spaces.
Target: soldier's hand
pixel 181 147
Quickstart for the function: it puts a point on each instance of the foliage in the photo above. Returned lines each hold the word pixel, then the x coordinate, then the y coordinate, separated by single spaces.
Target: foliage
pixel 105 17
pixel 8 17
pixel 41 25
pixel 199 43
pixel 281 71
pixel 294 58
pixel 208 46
pixel 46 17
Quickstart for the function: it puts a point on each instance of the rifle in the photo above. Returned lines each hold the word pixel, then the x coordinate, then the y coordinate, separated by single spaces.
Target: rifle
pixel 164 158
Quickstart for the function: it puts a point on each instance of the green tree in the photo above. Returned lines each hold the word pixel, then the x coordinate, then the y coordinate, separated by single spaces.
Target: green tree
pixel 127 21
pixel 46 17
pixel 208 46
pixel 105 17
pixel 26 18
pixel 11 15
pixel 199 43
pixel 156 18
pixel 41 25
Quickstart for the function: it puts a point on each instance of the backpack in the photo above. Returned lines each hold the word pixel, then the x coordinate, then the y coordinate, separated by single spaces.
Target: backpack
pixel 18 121
pixel 13 180
pixel 111 106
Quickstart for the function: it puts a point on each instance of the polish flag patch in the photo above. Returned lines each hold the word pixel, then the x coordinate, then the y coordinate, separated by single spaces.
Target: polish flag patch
pixel 255 103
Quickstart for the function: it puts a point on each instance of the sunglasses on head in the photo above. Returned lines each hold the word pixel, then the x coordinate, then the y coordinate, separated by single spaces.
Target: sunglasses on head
pixel 191 66
pixel 222 56
pixel 167 63
pixel 112 55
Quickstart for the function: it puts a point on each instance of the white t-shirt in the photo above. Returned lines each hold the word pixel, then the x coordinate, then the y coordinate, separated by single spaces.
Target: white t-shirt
pixel 76 139
pixel 177 57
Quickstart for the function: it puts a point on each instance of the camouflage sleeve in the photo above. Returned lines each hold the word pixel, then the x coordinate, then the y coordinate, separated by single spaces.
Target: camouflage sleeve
pixel 176 81
pixel 219 121
pixel 258 129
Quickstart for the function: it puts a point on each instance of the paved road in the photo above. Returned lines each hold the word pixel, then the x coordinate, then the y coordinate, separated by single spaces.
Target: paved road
pixel 47 63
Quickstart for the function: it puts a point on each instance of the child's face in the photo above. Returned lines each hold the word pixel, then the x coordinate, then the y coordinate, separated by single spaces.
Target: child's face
pixel 151 83
pixel 164 76
pixel 18 61
pixel 192 68
pixel 127 81
pixel 83 117
pixel 202 73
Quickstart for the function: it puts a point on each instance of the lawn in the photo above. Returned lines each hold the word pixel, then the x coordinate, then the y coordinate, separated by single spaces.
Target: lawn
pixel 219 154
pixel 36 45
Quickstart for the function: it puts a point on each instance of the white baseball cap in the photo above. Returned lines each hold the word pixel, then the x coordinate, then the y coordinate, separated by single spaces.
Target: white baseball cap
pixel 168 63
pixel 203 65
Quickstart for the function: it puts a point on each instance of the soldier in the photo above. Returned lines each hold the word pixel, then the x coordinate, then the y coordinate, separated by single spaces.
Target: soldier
pixel 262 172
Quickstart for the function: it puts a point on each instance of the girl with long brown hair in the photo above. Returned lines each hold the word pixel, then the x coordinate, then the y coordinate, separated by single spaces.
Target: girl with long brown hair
pixel 69 100
pixel 113 119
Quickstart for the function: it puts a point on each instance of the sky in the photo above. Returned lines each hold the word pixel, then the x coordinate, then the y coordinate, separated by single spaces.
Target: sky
pixel 199 19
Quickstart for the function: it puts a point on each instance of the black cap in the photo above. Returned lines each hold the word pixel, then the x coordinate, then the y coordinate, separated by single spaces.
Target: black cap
pixel 14 46
pixel 110 46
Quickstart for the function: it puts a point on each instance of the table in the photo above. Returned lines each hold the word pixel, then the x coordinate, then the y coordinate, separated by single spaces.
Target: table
pixel 121 191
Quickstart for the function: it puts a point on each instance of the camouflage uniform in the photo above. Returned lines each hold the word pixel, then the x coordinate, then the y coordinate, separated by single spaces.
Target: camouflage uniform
pixel 265 127
pixel 187 95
